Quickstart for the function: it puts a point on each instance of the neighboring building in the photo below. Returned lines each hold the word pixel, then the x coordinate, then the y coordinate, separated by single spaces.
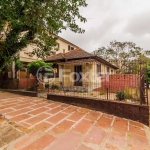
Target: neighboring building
pixel 79 68
pixel 65 46
pixel 26 54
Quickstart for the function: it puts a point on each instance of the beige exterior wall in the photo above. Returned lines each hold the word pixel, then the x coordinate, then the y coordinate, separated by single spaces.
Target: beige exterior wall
pixel 104 69
pixel 26 56
pixel 63 46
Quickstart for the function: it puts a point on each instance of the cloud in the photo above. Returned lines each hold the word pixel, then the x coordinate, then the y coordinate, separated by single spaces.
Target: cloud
pixel 92 36
pixel 107 20
pixel 139 24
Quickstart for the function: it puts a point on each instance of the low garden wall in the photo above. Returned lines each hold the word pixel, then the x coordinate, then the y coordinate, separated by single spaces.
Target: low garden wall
pixel 125 110
pixel 24 93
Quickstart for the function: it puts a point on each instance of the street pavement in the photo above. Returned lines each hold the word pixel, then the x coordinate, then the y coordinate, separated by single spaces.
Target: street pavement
pixel 59 126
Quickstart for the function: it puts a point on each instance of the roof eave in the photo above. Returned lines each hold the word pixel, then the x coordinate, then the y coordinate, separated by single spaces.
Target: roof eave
pixel 94 57
pixel 68 59
pixel 57 60
pixel 105 62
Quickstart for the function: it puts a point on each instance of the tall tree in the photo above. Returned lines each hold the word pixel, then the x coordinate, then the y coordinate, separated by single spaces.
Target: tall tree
pixel 35 22
pixel 102 52
pixel 121 54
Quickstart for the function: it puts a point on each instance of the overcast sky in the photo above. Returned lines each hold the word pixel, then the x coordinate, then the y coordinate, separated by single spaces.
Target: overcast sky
pixel 107 20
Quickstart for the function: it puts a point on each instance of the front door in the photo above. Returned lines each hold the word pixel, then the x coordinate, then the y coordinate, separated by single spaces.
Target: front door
pixel 78 75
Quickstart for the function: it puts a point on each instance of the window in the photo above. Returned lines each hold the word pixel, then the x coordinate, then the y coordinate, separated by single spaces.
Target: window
pixel 78 75
pixel 98 69
pixel 56 70
pixel 112 72
pixel 107 70
pixel 69 48
pixel 63 50
pixel 58 46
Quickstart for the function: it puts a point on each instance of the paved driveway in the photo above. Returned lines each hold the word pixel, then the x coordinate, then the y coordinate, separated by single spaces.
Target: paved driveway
pixel 59 126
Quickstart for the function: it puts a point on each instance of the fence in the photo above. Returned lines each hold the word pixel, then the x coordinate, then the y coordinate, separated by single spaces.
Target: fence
pixel 23 84
pixel 117 87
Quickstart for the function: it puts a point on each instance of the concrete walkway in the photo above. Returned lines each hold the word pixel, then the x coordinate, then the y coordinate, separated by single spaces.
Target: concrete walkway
pixel 59 126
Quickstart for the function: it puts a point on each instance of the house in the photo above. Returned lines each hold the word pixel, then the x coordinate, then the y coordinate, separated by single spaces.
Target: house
pixel 79 69
pixel 26 55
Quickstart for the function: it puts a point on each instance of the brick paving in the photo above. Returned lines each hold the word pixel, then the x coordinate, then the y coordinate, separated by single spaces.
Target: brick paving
pixel 59 126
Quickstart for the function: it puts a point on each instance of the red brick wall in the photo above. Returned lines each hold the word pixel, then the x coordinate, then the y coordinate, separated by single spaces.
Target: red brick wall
pixel 118 82
pixel 26 82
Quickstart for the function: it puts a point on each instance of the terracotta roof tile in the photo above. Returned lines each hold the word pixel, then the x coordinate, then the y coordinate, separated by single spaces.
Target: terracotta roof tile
pixel 78 61
pixel 76 55
pixel 73 54
pixel 58 56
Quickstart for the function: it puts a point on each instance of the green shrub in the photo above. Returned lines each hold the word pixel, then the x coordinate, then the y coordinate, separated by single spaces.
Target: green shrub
pixel 102 92
pixel 55 87
pixel 128 94
pixel 35 65
pixel 120 95
pixel 18 64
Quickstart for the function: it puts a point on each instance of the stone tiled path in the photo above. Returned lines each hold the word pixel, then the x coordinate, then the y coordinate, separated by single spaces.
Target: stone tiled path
pixel 59 126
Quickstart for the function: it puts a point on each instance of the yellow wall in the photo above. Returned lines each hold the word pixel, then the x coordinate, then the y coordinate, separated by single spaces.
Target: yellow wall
pixel 104 69
pixel 66 75
pixel 89 80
